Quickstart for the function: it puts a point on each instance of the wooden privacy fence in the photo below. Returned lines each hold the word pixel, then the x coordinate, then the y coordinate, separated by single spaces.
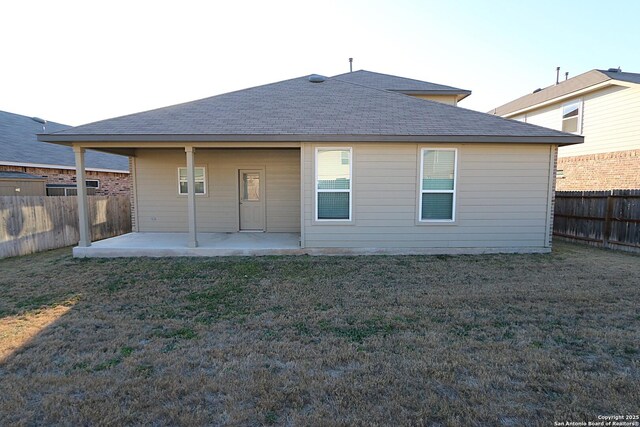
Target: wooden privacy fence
pixel 609 219
pixel 31 224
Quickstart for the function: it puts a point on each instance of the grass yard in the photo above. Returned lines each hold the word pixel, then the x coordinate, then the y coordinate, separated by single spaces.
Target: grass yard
pixel 449 340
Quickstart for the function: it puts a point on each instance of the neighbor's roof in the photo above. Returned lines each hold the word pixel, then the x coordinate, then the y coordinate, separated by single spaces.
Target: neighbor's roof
pixel 574 84
pixel 19 175
pixel 19 145
pixel 299 110
pixel 401 84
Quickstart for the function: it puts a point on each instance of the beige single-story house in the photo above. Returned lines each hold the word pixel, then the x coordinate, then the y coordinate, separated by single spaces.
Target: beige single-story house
pixel 323 165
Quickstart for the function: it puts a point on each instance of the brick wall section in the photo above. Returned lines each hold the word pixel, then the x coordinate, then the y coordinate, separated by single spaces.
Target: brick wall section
pixel 618 170
pixel 111 183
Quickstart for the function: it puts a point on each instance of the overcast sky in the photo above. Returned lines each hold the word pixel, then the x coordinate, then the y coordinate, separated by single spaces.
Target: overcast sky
pixel 80 61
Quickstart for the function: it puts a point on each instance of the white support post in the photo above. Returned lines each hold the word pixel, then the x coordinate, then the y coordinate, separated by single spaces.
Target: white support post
pixel 83 202
pixel 191 196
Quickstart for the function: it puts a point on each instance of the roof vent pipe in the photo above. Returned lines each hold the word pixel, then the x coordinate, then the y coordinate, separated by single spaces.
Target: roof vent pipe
pixel 351 65
pixel 566 75
pixel 557 75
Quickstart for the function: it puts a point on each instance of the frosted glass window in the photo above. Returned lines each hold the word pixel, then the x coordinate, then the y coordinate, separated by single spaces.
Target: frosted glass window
pixel 251 187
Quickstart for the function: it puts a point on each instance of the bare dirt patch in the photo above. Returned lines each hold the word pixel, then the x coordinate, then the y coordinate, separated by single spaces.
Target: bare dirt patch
pixel 451 340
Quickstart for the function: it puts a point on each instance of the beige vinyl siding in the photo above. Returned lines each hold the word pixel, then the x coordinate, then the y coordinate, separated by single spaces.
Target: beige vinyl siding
pixel 549 117
pixel 609 120
pixel 501 200
pixel 445 99
pixel 160 208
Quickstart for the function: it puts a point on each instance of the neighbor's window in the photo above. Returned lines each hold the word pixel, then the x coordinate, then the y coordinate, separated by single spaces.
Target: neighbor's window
pixel 438 184
pixel 183 187
pixel 92 183
pixel 571 117
pixel 55 191
pixel 66 190
pixel 333 184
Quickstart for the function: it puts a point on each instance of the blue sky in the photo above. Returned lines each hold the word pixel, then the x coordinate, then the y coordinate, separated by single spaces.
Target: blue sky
pixel 76 61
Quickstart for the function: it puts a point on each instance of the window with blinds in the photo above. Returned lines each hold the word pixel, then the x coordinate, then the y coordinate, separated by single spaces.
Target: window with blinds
pixel 438 184
pixel 333 184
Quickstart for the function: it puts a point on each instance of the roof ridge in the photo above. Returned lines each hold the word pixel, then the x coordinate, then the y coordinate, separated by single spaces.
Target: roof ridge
pixel 404 78
pixel 394 92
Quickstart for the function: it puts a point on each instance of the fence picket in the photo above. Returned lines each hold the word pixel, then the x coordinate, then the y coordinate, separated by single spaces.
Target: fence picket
pixel 31 224
pixel 608 219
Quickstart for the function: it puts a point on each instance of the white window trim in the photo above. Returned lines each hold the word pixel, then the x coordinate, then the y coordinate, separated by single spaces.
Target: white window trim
pixel 454 191
pixel 350 191
pixel 579 117
pixel 204 180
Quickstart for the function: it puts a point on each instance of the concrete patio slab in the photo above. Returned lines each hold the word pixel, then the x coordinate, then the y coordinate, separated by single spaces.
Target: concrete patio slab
pixel 210 244
pixel 250 244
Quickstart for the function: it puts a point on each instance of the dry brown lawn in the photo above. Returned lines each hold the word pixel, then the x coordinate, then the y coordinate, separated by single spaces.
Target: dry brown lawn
pixel 444 340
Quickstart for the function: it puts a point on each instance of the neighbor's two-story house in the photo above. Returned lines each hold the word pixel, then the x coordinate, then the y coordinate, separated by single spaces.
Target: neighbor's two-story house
pixel 604 107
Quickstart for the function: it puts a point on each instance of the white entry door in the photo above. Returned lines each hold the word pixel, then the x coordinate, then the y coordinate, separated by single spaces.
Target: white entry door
pixel 251 200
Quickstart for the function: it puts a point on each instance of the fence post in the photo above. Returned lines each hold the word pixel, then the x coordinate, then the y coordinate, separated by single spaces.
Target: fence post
pixel 606 233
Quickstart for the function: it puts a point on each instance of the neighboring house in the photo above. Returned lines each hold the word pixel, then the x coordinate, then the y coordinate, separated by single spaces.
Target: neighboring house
pixel 20 151
pixel 343 167
pixel 604 107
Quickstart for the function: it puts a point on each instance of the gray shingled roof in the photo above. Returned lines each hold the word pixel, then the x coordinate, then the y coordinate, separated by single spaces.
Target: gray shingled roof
pixel 298 110
pixel 400 84
pixel 18 175
pixel 19 144
pixel 574 84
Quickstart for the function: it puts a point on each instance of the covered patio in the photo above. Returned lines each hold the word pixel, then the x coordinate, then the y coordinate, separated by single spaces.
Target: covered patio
pixel 246 200
pixel 177 244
